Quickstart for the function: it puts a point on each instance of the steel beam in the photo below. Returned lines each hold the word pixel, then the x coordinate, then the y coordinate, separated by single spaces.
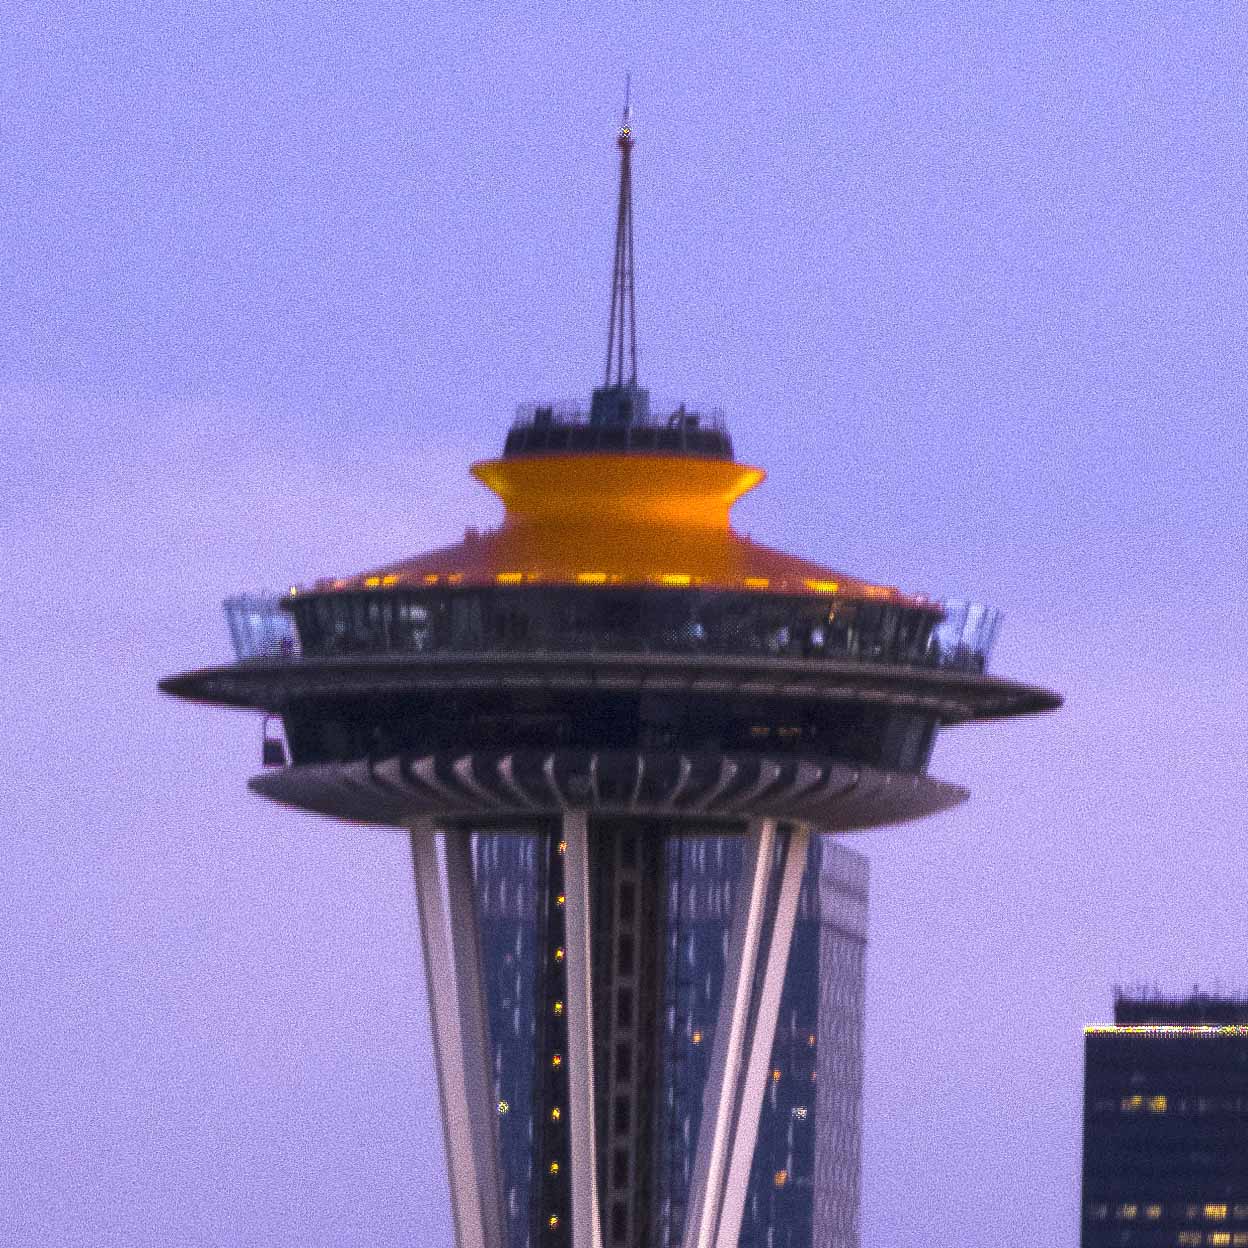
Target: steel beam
pixel 582 1151
pixel 450 938
pixel 758 953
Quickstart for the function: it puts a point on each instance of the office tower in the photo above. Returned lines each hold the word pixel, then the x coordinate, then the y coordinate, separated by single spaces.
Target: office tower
pixel 611 670
pixel 1165 1127
pixel 804 1184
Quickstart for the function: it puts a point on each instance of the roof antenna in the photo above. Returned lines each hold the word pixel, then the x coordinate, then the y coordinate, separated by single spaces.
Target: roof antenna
pixel 623 307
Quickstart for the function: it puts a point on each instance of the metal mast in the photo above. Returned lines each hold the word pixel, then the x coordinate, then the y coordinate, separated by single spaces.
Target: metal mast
pixel 623 306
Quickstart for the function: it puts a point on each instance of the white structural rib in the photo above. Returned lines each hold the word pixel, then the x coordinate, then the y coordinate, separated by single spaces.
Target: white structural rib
pixel 450 938
pixel 758 954
pixel 586 1224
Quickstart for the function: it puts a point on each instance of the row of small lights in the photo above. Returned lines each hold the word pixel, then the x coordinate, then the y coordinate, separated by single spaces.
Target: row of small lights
pixel 673 580
pixel 1161 1029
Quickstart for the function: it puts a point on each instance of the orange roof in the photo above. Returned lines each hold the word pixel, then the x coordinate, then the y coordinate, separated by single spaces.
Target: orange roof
pixel 607 519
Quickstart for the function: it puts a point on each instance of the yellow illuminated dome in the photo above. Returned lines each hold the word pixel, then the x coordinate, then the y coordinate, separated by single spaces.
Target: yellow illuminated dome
pixel 618 519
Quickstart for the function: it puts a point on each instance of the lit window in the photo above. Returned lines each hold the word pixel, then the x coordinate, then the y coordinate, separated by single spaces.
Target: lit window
pixel 1215 1213
pixel 431 578
pixel 554 1167
pixel 675 578
pixel 558 955
pixel 555 1114
pixel 760 730
pixel 1126 1212
pixel 563 847
pixel 823 587
pixel 553 1221
pixel 371 582
pixel 781 1178
pixel 562 898
pixel 1219 1238
pixel 696 1037
pixel 775 1076
pixel 1157 1104
pixel 503 1107
pixel 1132 1103
pixel 557 1060
pixel 810 1040
pixel 799 1112
pixel 1152 1212
pixel 509 578
pixel 390 579
pixel 558 1008
pixel 592 578
pixel 756 582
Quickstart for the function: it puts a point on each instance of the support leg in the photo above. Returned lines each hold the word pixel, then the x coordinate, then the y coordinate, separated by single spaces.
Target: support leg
pixel 450 939
pixel 586 1221
pixel 758 954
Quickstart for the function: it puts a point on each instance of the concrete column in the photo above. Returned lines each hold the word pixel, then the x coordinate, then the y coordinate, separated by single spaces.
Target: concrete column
pixel 586 1219
pixel 758 952
pixel 450 938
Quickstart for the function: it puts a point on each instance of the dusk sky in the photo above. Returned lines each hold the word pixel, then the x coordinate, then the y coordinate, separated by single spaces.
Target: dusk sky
pixel 968 280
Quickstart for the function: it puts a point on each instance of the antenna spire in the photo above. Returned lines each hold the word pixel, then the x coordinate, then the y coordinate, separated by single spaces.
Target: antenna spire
pixel 623 308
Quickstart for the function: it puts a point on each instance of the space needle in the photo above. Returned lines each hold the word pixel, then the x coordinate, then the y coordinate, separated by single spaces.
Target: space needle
pixel 612 667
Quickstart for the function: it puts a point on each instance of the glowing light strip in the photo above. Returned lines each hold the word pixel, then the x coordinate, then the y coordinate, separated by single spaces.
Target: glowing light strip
pixel 1168 1029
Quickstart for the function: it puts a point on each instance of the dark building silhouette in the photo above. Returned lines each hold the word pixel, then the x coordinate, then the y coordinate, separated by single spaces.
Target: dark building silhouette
pixel 804 1184
pixel 1165 1137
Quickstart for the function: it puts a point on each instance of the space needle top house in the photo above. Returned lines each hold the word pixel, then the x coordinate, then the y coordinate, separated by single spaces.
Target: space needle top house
pixel 612 667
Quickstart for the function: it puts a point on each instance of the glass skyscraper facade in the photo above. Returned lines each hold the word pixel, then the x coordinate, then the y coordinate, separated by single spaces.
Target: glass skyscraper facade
pixel 1165 1141
pixel 803 1189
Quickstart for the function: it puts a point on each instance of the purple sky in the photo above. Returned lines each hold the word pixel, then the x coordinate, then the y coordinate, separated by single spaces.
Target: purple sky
pixel 969 282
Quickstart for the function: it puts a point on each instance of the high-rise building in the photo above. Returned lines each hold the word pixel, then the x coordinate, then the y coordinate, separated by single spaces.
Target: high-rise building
pixel 1165 1127
pixel 804 1185
pixel 610 671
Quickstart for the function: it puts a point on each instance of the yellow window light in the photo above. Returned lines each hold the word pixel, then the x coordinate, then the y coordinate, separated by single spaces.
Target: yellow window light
pixel 756 582
pixel 775 1076
pixel 431 578
pixel 558 1009
pixel 1152 1212
pixel 1219 1238
pixel 781 1178
pixel 674 578
pixel 1127 1212
pixel 556 1060
pixel 810 1040
pixel 553 1221
pixel 371 582
pixel 554 1167
pixel 559 955
pixel 1130 1104
pixel 509 578
pixel 563 847
pixel 561 899
pixel 823 587
pixel 503 1107
pixel 455 578
pixel 591 578
pixel 390 578
pixel 696 1037
pixel 1157 1104
pixel 555 1114
pixel 1215 1213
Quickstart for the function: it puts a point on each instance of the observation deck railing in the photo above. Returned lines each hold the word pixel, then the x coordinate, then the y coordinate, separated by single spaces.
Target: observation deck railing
pixel 262 627
pixel 554 428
